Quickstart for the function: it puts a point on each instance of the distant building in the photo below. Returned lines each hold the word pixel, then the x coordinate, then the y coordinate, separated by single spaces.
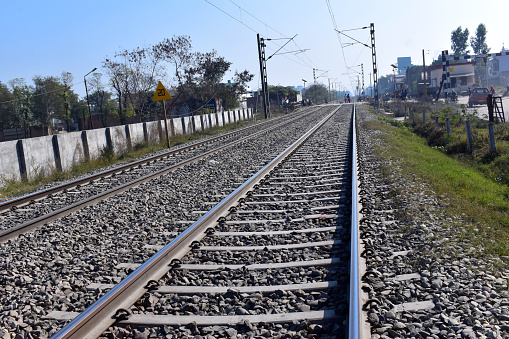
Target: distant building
pixel 403 64
pixel 461 75
pixel 498 69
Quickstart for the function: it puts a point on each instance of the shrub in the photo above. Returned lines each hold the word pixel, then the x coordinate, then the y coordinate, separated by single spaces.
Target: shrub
pixel 107 153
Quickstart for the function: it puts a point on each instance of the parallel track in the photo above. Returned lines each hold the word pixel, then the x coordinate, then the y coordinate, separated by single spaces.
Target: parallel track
pixel 161 164
pixel 295 212
pixel 50 191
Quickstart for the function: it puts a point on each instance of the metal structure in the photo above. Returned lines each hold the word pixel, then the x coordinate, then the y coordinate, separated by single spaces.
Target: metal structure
pixel 88 102
pixel 375 70
pixel 498 108
pixel 362 71
pixel 355 329
pixel 263 73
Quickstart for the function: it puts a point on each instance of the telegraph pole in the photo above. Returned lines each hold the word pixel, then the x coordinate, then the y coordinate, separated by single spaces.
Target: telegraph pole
pixel 263 72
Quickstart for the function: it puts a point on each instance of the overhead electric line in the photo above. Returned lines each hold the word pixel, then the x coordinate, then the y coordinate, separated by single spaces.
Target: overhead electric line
pixel 304 63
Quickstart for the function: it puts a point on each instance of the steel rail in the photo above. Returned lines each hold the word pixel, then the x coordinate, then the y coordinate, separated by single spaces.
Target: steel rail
pixel 100 315
pixel 354 315
pixel 25 199
pixel 29 225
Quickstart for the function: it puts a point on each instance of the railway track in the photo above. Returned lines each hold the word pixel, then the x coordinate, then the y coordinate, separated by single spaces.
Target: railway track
pixel 272 258
pixel 49 268
pixel 23 214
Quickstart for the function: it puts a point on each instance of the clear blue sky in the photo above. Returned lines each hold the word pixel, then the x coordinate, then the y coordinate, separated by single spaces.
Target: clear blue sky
pixel 49 37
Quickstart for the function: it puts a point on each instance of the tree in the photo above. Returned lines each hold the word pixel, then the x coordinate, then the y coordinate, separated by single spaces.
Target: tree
pixel 317 93
pixel 21 107
pixel 47 102
pixel 66 94
pixel 459 41
pixel 7 118
pixel 230 93
pixel 282 93
pixel 478 43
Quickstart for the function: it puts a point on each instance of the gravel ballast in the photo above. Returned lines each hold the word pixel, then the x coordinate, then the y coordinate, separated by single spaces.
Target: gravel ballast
pixel 49 269
pixel 422 261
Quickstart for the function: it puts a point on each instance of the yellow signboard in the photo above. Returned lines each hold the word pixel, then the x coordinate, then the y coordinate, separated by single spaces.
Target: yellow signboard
pixel 451 69
pixel 161 93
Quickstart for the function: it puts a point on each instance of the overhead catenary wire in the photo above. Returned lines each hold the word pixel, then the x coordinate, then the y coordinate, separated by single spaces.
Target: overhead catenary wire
pixel 302 63
pixel 333 19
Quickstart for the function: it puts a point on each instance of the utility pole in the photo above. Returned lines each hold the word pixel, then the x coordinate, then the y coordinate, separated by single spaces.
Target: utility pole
pixel 362 71
pixel 314 81
pixel 329 90
pixel 424 75
pixel 375 72
pixel 263 73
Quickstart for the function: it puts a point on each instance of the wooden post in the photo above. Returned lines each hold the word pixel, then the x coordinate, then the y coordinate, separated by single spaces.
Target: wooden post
pixel 491 132
pixel 469 136
pixel 448 126
pixel 166 125
pixel 436 122
pixel 489 102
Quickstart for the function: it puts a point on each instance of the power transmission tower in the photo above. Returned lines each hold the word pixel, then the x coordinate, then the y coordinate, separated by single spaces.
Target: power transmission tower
pixel 263 72
pixel 375 72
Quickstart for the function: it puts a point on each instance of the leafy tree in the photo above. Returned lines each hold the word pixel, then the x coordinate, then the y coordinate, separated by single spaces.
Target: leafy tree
pixel 7 119
pixel 66 94
pixel 478 43
pixel 21 106
pixel 283 92
pixel 459 41
pixel 47 102
pixel 230 93
pixel 317 93
pixel 100 99
pixel 202 81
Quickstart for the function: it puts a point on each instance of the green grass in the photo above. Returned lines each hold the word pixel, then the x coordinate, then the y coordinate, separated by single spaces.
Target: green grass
pixel 472 193
pixel 13 188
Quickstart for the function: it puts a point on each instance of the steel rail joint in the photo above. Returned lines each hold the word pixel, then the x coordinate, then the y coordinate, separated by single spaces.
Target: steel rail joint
pixel 99 316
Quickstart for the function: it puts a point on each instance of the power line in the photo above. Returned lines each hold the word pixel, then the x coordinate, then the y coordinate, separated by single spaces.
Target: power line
pixel 331 13
pixel 304 64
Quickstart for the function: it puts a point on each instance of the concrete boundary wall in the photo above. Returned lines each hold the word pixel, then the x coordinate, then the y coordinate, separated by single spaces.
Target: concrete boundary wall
pixel 154 131
pixel 197 121
pixel 205 121
pixel 120 141
pixel 71 150
pixel 96 140
pixel 213 119
pixel 9 164
pixel 220 119
pixel 39 156
pixel 44 155
pixel 137 134
pixel 177 124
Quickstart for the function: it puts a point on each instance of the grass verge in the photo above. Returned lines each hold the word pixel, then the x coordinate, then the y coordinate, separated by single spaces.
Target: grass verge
pixel 472 194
